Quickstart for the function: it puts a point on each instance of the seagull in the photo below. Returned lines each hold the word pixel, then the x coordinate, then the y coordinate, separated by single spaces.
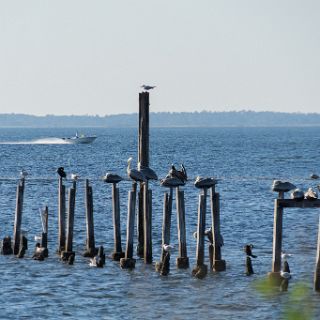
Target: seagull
pixel 135 174
pixel 74 176
pixel 209 234
pixel 61 172
pixel 37 238
pixel 167 247
pixel 23 173
pixel 147 88
pixel 285 255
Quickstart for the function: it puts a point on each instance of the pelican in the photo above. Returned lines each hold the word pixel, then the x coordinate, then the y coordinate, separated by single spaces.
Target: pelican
pixel 74 176
pixel 204 182
pixel 112 178
pixel 148 172
pixel 61 172
pixel 135 174
pixel 248 250
pixel 171 182
pixel 147 88
pixel 279 186
pixel 167 247
pixel 195 234
pixel 180 174
pixel 23 173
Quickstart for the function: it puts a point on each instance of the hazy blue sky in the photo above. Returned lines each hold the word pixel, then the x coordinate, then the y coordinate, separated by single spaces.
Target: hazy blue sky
pixel 90 57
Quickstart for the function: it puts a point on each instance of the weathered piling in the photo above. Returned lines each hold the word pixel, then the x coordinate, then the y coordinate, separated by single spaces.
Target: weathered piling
pixel 166 227
pixel 90 242
pixel 147 226
pixel 277 241
pixel 218 263
pixel 61 215
pixel 200 269
pixel 128 262
pixel 317 268
pixel 140 223
pixel 143 159
pixel 68 254
pixel 6 247
pixel 18 216
pixel 23 246
pixel 182 260
pixel 44 236
pixel 118 253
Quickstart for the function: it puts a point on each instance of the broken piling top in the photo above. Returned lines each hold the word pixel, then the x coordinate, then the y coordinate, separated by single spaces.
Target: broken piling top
pixel 279 186
pixel 202 183
pixel 112 178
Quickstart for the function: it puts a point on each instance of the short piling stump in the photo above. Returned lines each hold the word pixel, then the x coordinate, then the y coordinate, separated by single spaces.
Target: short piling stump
pixel 127 263
pixel 182 262
pixel 200 271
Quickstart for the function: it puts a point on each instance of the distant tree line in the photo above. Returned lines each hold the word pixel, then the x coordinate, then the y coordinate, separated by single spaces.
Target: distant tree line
pixel 166 119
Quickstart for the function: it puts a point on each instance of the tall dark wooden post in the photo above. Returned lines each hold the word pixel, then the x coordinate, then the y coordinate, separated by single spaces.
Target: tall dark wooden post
pixel 147 204
pixel 61 216
pixel 90 242
pixel 18 216
pixel 182 260
pixel 143 158
pixel 117 253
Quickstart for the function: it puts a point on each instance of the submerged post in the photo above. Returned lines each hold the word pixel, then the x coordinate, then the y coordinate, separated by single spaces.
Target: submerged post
pixel 128 262
pixel 182 260
pixel 143 158
pixel 90 243
pixel 18 216
pixel 61 215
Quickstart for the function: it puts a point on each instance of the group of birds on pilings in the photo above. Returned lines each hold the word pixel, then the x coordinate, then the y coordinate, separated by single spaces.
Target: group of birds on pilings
pixel 296 193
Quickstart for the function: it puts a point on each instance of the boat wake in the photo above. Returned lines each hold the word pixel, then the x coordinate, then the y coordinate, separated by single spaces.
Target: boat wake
pixel 38 141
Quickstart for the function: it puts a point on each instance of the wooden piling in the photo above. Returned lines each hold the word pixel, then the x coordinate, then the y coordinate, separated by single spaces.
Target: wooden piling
pixel 166 224
pixel 44 236
pixel 128 262
pixel 143 158
pixel 90 242
pixel 61 215
pixel 182 260
pixel 140 222
pixel 218 263
pixel 277 243
pixel 18 216
pixel 147 226
pixel 118 253
pixel 200 269
pixel 317 268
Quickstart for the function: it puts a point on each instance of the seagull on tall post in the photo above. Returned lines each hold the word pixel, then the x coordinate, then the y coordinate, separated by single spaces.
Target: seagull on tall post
pixel 135 174
pixel 147 88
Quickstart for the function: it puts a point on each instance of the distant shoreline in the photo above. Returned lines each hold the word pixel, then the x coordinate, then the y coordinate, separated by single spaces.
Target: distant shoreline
pixel 202 119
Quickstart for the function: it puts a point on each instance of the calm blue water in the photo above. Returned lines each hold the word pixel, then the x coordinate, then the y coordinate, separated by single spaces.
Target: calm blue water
pixel 246 160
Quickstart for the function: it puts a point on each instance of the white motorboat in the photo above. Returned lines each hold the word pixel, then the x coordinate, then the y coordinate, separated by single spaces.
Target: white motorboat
pixel 80 139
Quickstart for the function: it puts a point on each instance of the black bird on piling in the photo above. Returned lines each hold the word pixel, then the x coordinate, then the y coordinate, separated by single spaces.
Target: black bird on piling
pixel 248 250
pixel 61 172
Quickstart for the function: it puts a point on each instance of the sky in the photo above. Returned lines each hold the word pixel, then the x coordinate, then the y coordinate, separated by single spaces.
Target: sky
pixel 91 57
